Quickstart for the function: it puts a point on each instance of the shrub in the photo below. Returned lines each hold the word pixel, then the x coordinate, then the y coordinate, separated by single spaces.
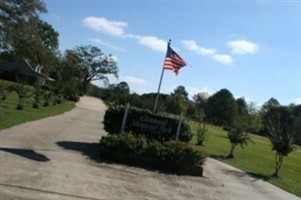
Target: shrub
pixel 170 151
pixel 114 116
pixel 113 119
pixel 35 105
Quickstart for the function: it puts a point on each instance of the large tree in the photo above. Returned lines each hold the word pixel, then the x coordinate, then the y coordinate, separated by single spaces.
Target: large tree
pixel 67 77
pixel 14 12
pixel 25 36
pixel 117 93
pixel 297 129
pixel 36 41
pixel 242 106
pixel 270 104
pixel 93 64
pixel 178 101
pixel 201 99
pixel 221 108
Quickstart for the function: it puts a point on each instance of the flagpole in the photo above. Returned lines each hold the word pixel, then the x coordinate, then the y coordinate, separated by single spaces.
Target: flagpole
pixel 158 92
pixel 160 82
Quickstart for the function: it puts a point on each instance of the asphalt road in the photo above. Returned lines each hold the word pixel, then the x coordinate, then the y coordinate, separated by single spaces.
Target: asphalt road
pixel 57 158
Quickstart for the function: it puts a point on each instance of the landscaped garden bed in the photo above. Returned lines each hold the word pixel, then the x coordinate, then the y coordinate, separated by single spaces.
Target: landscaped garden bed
pixel 170 156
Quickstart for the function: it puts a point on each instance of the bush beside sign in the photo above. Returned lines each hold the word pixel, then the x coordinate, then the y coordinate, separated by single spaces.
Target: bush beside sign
pixel 171 156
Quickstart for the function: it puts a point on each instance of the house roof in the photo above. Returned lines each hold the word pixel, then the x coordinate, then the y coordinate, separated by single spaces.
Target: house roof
pixel 11 71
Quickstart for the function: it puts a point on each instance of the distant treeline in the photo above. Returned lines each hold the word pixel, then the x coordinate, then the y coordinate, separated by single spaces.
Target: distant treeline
pixel 220 109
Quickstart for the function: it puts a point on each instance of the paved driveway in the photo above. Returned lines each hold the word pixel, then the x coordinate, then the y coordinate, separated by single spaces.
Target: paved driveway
pixel 56 158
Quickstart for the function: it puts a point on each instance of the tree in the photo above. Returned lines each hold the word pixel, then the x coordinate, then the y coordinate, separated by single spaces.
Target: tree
pixel 297 129
pixel 201 99
pixel 236 137
pixel 178 101
pixel 197 106
pixel 271 103
pixel 242 106
pixel 147 101
pixel 123 88
pixel 180 92
pixel 36 41
pixel 296 111
pixel 5 89
pixel 278 124
pixel 237 134
pixel 93 64
pixel 22 92
pixel 122 91
pixel 221 108
pixel 27 38
pixel 67 77
pixel 14 12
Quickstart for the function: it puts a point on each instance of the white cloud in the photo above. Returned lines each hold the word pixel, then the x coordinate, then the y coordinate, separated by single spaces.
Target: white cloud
pixel 193 46
pixel 113 28
pixel 136 84
pixel 133 80
pixel 150 41
pixel 194 90
pixel 222 58
pixel 116 29
pixel 242 47
pixel 99 41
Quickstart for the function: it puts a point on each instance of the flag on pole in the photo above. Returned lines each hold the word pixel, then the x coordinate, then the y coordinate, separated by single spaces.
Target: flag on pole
pixel 173 61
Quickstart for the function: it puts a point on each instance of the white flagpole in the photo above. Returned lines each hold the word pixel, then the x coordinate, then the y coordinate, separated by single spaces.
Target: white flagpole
pixel 160 82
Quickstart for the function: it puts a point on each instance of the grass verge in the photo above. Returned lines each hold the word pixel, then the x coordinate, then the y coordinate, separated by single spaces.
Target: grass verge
pixel 10 116
pixel 256 159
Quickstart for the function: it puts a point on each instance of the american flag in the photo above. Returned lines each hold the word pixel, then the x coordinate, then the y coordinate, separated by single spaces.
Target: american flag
pixel 173 61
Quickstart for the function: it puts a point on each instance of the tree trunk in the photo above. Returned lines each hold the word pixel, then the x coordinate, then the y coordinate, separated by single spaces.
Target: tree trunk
pixel 278 163
pixel 231 154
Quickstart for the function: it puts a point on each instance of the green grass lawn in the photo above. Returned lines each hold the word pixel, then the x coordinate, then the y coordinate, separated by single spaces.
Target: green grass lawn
pixel 256 159
pixel 10 116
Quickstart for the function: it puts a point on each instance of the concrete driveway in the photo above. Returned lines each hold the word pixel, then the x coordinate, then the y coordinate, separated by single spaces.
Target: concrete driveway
pixel 57 158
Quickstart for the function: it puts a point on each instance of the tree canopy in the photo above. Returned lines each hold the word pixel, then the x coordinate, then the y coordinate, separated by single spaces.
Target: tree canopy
pixel 221 108
pixel 93 65
pixel 14 13
pixel 279 128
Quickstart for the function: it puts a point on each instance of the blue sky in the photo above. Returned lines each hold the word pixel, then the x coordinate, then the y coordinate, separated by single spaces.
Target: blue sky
pixel 252 48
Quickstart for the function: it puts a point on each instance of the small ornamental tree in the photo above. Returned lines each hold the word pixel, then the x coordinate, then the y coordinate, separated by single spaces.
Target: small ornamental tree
pixel 237 134
pixel 22 91
pixel 5 89
pixel 237 137
pixel 279 130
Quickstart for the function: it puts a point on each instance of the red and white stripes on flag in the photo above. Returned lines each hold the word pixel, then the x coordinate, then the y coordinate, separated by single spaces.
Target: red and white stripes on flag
pixel 173 61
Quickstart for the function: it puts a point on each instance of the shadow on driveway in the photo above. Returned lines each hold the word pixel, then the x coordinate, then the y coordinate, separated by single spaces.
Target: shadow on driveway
pixel 88 149
pixel 26 153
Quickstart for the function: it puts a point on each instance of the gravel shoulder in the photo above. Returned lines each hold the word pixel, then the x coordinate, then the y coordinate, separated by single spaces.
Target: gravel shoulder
pixel 56 158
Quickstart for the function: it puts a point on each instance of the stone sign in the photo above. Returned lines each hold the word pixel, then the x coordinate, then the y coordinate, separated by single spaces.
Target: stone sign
pixel 151 124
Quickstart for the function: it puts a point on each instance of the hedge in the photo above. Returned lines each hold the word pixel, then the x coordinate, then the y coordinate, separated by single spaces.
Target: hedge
pixel 170 152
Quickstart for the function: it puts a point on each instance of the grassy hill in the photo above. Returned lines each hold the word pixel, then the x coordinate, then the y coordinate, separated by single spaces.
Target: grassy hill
pixel 256 159
pixel 10 116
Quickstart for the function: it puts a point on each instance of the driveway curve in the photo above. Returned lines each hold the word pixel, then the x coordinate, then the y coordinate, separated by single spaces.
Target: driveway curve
pixel 57 158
